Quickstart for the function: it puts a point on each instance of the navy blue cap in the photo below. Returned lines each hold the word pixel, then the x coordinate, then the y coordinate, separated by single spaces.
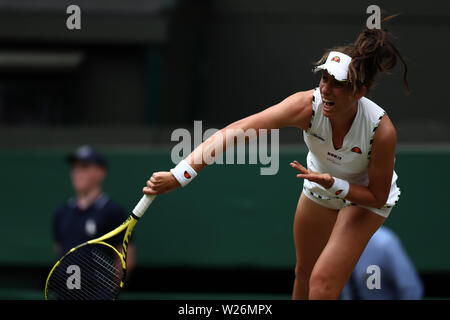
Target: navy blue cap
pixel 87 154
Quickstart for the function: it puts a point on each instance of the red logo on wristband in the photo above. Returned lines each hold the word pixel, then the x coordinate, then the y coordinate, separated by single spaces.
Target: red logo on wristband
pixel 187 175
pixel 338 192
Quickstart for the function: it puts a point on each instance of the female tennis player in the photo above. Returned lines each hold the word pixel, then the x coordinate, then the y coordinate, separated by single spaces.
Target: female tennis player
pixel 349 184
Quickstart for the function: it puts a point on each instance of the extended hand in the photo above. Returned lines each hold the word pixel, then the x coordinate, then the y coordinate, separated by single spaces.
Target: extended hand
pixel 324 179
pixel 161 182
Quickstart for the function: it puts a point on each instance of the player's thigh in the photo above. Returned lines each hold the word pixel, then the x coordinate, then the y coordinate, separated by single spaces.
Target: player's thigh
pixel 313 225
pixel 352 231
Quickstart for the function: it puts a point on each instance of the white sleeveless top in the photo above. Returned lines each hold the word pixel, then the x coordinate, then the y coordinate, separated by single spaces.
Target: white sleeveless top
pixel 351 161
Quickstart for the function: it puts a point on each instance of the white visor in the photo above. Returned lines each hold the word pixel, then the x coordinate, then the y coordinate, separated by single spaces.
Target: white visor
pixel 337 65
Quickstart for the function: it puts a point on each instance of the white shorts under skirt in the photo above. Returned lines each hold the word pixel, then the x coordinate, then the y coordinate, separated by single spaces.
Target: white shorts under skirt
pixel 338 204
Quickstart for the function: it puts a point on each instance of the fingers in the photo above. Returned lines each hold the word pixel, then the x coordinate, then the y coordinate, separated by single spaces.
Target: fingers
pixel 153 180
pixel 299 167
pixel 309 176
pixel 160 182
pixel 153 185
pixel 325 180
pixel 149 191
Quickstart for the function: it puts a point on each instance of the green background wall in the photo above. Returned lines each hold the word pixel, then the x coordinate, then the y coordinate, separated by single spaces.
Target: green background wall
pixel 229 216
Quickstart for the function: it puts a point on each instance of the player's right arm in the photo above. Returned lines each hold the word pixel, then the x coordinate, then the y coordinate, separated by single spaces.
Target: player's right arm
pixel 294 111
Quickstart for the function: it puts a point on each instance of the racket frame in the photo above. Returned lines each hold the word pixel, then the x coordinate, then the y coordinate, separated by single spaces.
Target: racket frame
pixel 128 224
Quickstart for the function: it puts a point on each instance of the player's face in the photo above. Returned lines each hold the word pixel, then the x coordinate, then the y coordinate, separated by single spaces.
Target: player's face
pixel 336 95
pixel 86 176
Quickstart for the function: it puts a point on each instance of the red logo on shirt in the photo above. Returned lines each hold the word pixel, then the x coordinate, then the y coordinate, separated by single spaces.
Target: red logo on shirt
pixel 338 192
pixel 187 175
pixel 357 150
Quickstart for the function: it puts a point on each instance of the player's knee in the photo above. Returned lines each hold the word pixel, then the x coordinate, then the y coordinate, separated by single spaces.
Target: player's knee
pixel 322 286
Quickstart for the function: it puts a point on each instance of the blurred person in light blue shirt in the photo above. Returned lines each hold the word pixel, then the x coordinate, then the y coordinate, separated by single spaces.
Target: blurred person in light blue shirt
pixel 398 278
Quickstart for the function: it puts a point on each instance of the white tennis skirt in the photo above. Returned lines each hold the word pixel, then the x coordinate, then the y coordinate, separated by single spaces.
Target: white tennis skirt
pixel 313 192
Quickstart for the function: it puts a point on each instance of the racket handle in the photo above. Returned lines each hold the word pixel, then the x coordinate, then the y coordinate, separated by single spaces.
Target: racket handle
pixel 143 205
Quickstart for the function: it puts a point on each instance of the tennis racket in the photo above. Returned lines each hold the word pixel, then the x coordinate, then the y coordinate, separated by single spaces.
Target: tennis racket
pixel 94 270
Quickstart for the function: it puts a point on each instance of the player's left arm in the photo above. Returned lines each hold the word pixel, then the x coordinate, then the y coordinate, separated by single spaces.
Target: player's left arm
pixel 381 168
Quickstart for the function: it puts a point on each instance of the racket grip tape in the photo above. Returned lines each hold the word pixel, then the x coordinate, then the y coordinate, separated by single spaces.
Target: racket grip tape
pixel 143 205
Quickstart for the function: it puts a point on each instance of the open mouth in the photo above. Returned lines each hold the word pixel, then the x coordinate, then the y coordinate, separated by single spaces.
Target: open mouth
pixel 327 102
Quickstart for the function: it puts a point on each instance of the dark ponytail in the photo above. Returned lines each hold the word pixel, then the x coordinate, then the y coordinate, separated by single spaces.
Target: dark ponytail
pixel 371 53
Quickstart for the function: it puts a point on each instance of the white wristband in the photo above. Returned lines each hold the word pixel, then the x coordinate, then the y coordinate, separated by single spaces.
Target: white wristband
pixel 339 188
pixel 184 173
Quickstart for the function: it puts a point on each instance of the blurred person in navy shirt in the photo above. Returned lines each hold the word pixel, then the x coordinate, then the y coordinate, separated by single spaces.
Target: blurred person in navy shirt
pixel 90 213
pixel 398 278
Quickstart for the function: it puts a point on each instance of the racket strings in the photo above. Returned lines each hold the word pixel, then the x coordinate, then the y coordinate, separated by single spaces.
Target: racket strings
pixel 97 279
pixel 97 275
pixel 87 292
pixel 88 289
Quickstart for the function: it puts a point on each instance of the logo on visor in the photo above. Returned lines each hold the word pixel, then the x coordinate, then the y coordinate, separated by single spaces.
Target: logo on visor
pixel 336 59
